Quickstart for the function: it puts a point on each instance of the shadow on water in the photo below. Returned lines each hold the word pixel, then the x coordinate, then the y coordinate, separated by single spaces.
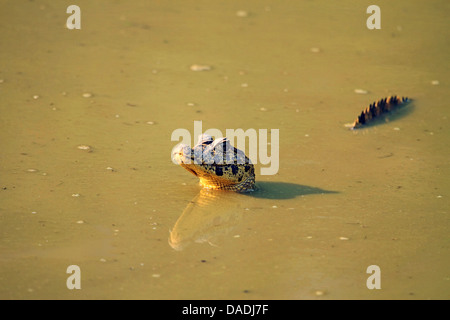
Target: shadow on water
pixel 284 190
pixel 214 213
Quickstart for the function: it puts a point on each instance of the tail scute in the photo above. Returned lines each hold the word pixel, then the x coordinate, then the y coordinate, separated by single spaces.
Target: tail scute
pixel 377 108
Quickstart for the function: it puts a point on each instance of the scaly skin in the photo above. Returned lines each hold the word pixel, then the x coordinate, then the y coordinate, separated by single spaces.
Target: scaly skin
pixel 217 164
pixel 377 108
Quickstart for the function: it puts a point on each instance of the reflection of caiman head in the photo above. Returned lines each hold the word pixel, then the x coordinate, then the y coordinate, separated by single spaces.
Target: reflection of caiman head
pixel 217 164
pixel 206 219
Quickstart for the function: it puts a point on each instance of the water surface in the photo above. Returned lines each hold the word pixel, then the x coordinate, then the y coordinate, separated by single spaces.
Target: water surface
pixel 123 212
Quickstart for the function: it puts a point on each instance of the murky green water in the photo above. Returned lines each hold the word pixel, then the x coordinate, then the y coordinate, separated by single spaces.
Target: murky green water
pixel 123 212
